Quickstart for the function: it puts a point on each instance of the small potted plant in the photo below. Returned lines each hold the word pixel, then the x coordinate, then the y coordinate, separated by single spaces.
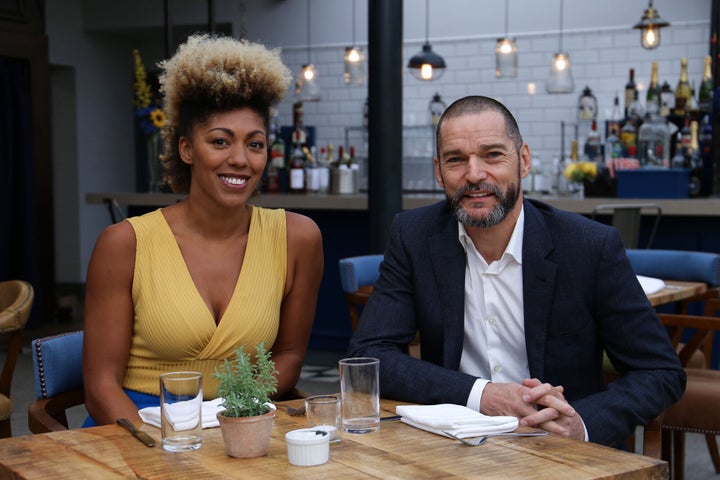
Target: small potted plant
pixel 246 386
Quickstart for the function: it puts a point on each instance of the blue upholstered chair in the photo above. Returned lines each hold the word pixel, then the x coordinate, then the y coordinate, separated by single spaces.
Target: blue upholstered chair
pixel 57 362
pixel 357 277
pixel 16 299
pixel 696 411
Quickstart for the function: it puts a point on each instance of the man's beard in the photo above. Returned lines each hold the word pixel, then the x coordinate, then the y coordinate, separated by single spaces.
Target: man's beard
pixel 506 202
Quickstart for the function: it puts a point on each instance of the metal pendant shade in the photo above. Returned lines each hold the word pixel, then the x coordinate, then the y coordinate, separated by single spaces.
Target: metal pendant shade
pixel 649 26
pixel 427 65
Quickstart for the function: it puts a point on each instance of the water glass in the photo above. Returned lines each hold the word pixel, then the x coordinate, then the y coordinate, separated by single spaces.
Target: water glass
pixel 360 389
pixel 181 398
pixel 323 412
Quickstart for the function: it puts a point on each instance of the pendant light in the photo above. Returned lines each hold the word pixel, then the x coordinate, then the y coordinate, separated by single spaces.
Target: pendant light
pixel 427 65
pixel 649 26
pixel 506 52
pixel 560 79
pixel 354 58
pixel 307 88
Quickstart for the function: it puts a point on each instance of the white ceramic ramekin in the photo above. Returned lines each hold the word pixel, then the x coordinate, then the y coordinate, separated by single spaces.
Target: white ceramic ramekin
pixel 308 447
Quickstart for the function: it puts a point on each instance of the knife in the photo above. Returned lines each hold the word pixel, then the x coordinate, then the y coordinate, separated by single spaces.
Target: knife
pixel 139 434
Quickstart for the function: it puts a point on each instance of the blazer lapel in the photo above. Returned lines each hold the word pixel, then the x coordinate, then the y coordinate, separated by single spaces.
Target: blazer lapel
pixel 447 259
pixel 538 285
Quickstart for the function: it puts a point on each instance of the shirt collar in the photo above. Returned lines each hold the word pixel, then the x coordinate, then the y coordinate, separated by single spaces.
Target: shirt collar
pixel 514 246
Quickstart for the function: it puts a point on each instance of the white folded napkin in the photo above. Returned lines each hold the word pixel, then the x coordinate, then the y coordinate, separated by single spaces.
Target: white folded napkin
pixel 650 285
pixel 179 414
pixel 459 420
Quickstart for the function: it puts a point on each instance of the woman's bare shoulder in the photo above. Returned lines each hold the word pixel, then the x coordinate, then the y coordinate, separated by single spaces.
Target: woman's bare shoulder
pixel 301 228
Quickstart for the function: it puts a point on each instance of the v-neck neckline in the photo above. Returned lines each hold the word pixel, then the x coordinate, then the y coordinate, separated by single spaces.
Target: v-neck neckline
pixel 191 280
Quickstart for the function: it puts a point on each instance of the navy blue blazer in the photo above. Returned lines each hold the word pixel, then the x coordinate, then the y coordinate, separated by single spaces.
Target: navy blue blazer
pixel 580 296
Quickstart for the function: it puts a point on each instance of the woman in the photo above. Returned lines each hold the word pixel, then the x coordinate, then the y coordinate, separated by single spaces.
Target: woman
pixel 181 287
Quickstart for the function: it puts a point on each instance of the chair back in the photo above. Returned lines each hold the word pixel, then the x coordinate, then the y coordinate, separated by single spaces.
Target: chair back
pixel 356 272
pixel 688 266
pixel 357 276
pixel 16 299
pixel 57 362
pixel 626 219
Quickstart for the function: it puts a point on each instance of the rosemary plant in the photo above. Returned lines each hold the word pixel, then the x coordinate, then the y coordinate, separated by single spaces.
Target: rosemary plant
pixel 246 386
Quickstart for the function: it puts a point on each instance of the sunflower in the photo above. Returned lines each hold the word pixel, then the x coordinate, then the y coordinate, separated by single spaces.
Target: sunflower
pixel 158 118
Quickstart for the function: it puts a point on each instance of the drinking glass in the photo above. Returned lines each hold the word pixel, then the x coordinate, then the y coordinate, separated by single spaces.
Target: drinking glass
pixel 360 389
pixel 181 398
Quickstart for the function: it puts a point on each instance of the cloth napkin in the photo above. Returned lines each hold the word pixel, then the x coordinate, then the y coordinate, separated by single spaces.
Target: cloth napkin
pixel 459 420
pixel 179 414
pixel 650 285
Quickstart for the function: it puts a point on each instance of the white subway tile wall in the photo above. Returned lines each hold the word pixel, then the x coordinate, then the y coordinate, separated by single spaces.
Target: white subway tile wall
pixel 600 58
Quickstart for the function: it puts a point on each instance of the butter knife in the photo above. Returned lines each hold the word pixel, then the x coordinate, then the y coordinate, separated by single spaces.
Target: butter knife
pixel 139 434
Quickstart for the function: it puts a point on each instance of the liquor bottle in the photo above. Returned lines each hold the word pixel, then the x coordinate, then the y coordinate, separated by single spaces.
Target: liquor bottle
pixel 324 171
pixel 297 170
pixel 682 91
pixel 630 91
pixel 628 139
pixel 613 147
pixel 705 138
pixel 652 99
pixel 667 100
pixel 636 112
pixel 654 142
pixel 693 160
pixel 705 96
pixel 277 147
pixel 355 169
pixel 593 144
pixel 678 160
pixel 312 172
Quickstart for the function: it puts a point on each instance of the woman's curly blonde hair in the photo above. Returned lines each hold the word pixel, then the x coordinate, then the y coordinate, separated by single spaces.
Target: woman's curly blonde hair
pixel 212 74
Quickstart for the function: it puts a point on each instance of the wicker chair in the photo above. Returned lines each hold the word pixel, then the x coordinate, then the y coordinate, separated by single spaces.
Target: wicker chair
pixel 16 299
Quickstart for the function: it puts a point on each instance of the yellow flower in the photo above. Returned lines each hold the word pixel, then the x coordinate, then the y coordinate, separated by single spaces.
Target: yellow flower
pixel 158 118
pixel 579 171
pixel 143 94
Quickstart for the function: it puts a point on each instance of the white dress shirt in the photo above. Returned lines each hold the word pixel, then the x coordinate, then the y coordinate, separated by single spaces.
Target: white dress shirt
pixel 494 345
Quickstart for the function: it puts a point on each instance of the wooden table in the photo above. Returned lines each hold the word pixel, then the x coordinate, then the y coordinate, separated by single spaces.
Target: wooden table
pixel 396 451
pixel 675 291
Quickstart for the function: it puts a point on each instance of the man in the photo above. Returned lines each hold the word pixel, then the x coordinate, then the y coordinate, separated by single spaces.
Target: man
pixel 514 301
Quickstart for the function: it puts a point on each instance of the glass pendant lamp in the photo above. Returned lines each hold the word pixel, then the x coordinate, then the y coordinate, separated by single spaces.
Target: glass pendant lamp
pixel 506 53
pixel 354 59
pixel 427 65
pixel 560 79
pixel 306 87
pixel 649 26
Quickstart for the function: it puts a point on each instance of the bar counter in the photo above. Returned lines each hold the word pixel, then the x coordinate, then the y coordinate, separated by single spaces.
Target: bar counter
pixel 705 207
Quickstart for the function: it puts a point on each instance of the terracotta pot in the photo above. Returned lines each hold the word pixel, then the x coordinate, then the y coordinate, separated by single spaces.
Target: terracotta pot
pixel 247 437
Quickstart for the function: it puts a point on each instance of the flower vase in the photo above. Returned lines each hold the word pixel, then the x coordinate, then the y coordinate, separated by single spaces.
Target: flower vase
pixel 577 189
pixel 154 148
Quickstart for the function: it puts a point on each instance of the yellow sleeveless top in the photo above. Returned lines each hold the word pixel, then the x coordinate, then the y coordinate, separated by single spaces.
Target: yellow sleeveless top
pixel 173 328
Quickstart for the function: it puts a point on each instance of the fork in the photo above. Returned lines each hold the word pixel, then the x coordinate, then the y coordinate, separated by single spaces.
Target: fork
pixel 480 440
pixel 293 411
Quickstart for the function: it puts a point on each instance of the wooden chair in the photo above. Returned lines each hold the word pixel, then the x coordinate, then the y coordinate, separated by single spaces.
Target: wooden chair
pixel 16 299
pixel 626 218
pixel 57 362
pixel 696 411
